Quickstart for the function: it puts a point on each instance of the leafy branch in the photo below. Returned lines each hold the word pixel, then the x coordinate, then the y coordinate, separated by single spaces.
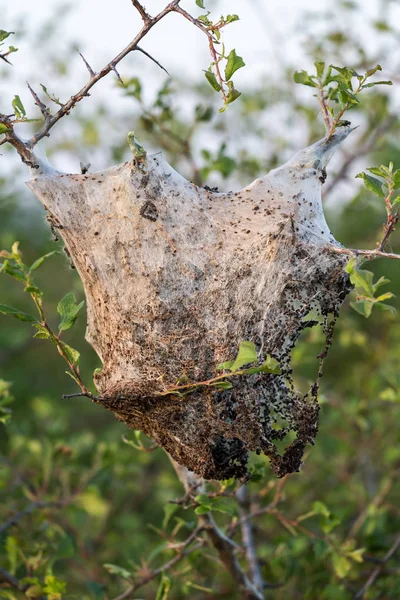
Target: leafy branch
pixel 338 90
pixel 247 355
pixel 67 309
pixel 3 36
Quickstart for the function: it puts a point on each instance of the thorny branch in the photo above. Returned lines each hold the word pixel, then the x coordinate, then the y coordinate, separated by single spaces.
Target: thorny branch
pixel 24 149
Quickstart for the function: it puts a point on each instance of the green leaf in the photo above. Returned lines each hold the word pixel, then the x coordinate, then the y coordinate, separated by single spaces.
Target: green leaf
pixel 320 67
pixel 72 354
pixel 377 171
pixel 13 270
pixel 136 148
pixel 32 289
pixel 233 95
pixel 4 34
pixel 223 385
pixel 116 570
pixel 17 314
pixel 234 63
pixel 200 3
pixel 341 565
pixel 304 78
pixel 372 71
pixel 18 107
pixel 370 85
pixel 202 510
pixel 363 307
pixel 363 280
pixel 163 588
pixel 41 260
pixel 372 184
pixel 212 80
pixel 247 354
pixel 42 332
pixel 4 128
pixel 226 366
pixel 68 311
pixel 396 179
pixel 169 511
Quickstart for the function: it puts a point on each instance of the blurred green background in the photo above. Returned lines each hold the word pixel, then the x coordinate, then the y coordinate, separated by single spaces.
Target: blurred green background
pixel 114 496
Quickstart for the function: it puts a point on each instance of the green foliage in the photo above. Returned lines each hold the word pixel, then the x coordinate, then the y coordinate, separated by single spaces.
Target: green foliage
pixel 5 400
pixel 366 289
pixel 338 86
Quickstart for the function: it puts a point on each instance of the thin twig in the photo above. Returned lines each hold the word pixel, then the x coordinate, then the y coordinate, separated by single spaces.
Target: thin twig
pixel 142 11
pixel 248 538
pixel 368 254
pixel 372 578
pixel 27 511
pixel 182 553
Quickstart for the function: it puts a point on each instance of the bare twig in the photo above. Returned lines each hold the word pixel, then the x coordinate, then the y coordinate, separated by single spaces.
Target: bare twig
pixel 27 511
pixel 183 550
pixel 376 572
pixel 248 538
pixel 142 11
pixel 3 56
pixel 368 254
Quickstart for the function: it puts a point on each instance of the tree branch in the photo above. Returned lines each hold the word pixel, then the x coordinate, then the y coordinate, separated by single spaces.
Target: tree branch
pixel 368 254
pixel 142 11
pixel 372 578
pixel 24 149
pixel 248 537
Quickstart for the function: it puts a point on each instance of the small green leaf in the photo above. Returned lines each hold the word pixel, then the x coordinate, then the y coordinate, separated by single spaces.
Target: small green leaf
pixel 372 184
pixel 17 314
pixel 212 80
pixel 377 171
pixel 72 354
pixel 223 385
pixel 234 63
pixel 304 78
pixel 226 366
pixel 320 67
pixel 169 511
pixel 200 3
pixel 32 289
pixel 116 570
pixel 247 354
pixel 136 148
pixel 163 588
pixel 41 260
pixel 68 311
pixel 363 280
pixel 18 107
pixel 370 85
pixel 42 332
pixel 202 510
pixel 363 307
pixel 13 270
pixel 4 34
pixel 4 128
pixel 372 71
pixel 341 565
pixel 396 179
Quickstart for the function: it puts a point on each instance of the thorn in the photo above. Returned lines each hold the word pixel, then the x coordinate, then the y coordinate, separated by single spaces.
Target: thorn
pixel 43 108
pixel 89 68
pixel 118 75
pixel 5 59
pixel 151 58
